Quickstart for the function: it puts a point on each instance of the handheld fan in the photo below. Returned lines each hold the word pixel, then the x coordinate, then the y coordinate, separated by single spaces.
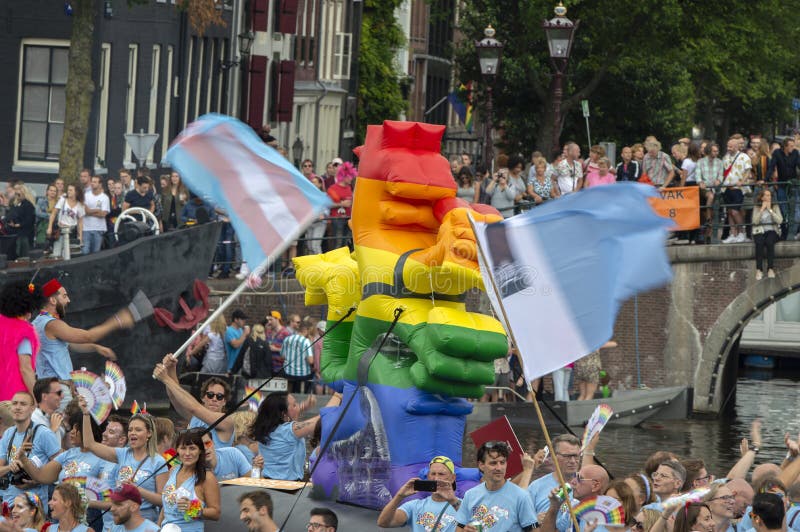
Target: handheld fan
pixel 255 401
pixel 606 510
pixel 116 383
pixel 92 388
pixel 599 418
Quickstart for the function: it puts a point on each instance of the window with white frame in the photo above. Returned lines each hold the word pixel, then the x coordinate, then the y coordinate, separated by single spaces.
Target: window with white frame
pixel 130 97
pixel 43 82
pixel 341 55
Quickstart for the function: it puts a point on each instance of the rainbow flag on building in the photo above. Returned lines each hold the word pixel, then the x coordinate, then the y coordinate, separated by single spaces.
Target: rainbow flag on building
pixel 461 100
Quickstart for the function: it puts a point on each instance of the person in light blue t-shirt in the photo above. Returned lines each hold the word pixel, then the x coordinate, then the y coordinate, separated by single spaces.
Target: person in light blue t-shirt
pixel 436 512
pixel 214 394
pixel 125 503
pixel 235 336
pixel 281 437
pixel 500 505
pixel 568 453
pixel 45 445
pixel 228 462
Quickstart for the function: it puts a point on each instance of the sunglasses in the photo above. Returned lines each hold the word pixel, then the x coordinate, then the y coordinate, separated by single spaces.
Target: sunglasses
pixel 58 392
pixel 497 445
pixel 217 396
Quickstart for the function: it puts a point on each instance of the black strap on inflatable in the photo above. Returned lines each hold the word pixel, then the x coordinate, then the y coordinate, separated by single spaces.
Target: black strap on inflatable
pixel 362 369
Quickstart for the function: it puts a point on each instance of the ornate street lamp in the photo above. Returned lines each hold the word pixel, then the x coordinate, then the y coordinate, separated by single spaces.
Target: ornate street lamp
pixel 490 50
pixel 560 33
pixel 297 151
pixel 245 40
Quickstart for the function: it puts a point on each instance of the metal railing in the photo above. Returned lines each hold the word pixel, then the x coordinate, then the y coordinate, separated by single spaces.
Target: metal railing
pixel 714 226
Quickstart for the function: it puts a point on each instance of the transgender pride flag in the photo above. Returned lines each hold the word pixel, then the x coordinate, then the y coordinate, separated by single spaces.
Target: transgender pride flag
pixel 269 202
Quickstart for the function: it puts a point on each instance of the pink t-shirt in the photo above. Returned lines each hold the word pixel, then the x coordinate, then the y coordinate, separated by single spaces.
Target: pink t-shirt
pixel 594 179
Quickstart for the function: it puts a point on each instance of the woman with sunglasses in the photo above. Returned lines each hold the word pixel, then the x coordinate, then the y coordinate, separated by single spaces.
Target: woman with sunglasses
pixel 281 438
pixel 214 394
pixel 694 517
pixel 191 494
pixel 139 462
pixel 28 512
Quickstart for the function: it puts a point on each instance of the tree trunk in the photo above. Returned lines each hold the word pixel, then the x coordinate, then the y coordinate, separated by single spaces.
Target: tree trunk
pixel 79 90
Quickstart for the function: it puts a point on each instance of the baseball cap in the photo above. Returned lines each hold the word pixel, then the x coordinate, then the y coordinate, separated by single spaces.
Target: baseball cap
pixel 337 160
pixel 275 314
pixel 321 325
pixel 126 492
pixel 445 461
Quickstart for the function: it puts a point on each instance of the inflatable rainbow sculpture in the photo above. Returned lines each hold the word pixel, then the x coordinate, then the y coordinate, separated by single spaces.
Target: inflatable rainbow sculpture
pixel 415 251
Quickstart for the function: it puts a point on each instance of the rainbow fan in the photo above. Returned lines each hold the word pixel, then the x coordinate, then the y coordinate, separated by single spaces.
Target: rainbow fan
pixel 97 489
pixel 116 383
pixel 606 510
pixel 599 418
pixel 255 401
pixel 92 388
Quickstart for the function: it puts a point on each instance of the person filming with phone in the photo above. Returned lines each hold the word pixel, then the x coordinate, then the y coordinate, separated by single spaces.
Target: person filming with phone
pixel 435 512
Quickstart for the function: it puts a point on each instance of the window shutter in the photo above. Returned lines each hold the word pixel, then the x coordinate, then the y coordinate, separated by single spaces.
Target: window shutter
pixel 258 14
pixel 287 22
pixel 286 97
pixel 258 85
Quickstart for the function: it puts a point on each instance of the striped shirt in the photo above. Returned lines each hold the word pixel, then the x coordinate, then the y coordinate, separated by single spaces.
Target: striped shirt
pixel 295 352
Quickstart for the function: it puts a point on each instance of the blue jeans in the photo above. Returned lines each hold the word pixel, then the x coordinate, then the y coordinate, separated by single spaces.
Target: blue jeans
pixel 92 241
pixel 225 248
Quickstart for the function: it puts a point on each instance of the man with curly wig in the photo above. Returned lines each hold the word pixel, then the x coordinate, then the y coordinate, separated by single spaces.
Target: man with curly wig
pixel 19 344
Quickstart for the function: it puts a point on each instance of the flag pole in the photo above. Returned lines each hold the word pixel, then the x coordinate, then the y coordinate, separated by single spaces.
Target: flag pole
pixel 296 233
pixel 489 274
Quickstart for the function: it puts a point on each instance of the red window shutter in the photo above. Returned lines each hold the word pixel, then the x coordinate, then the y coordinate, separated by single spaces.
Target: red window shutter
pixel 258 85
pixel 286 95
pixel 258 14
pixel 274 84
pixel 287 22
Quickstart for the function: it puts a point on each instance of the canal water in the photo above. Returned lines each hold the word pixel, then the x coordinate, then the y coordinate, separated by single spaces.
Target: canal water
pixel 773 397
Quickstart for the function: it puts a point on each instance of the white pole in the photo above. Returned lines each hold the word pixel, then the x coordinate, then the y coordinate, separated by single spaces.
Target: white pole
pixel 259 270
pixel 588 135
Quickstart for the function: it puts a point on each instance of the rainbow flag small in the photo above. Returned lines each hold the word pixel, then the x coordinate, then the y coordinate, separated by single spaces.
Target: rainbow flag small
pixel 461 100
pixel 135 408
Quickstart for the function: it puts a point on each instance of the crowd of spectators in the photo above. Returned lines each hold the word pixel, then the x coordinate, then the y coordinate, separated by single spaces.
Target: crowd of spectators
pixel 736 177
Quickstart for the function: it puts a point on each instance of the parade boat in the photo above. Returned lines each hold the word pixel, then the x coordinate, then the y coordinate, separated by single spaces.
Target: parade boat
pixel 166 267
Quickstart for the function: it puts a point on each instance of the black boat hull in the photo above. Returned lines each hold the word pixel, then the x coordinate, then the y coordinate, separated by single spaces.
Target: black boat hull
pixel 163 266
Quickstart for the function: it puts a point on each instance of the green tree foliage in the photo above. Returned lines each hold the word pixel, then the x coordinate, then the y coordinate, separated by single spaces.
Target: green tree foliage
pixel 379 96
pixel 647 67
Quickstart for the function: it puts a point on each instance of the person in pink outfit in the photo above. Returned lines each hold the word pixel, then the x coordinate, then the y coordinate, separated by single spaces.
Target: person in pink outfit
pixel 19 344
pixel 603 175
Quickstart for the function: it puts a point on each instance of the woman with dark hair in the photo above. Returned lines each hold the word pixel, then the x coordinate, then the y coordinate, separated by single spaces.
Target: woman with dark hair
pixel 191 494
pixel 19 344
pixel 21 219
pixel 66 217
pixel 694 517
pixel 767 220
pixel 67 508
pixel 641 488
pixel 139 462
pixel 466 185
pixel 76 461
pixel 281 438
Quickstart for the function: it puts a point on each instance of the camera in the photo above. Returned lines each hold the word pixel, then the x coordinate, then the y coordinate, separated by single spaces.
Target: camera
pixel 14 479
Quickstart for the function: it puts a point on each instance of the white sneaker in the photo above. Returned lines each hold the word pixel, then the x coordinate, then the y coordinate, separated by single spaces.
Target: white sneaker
pixel 241 276
pixel 759 275
pixel 742 238
pixel 730 240
pixel 771 273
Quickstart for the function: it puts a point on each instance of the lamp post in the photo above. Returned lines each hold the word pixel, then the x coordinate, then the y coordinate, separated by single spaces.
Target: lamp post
pixel 297 151
pixel 245 40
pixel 490 50
pixel 560 33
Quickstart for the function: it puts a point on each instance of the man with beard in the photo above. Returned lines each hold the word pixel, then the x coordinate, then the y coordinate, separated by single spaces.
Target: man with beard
pixel 255 511
pixel 125 504
pixel 57 337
